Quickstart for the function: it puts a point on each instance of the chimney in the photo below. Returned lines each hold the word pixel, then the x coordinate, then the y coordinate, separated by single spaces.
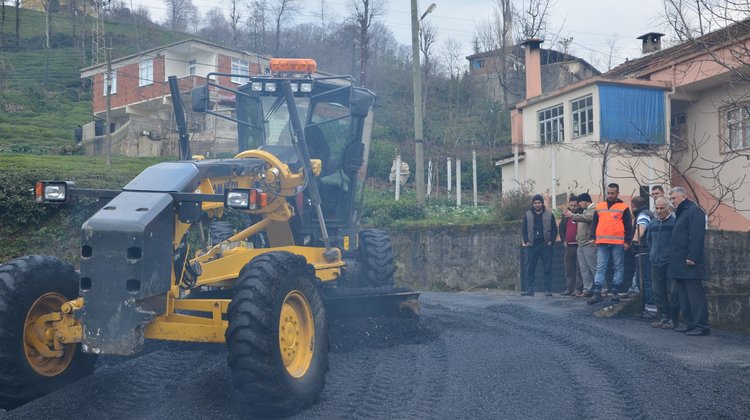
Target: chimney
pixel 651 42
pixel 533 67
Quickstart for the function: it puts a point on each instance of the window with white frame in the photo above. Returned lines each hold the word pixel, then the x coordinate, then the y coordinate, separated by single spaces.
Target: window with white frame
pixel 582 111
pixel 240 68
pixel 192 67
pixel 146 72
pixel 737 128
pixel 113 83
pixel 551 127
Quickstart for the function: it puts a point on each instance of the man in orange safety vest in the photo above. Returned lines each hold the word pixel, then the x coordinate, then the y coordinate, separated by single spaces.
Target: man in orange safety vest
pixel 612 232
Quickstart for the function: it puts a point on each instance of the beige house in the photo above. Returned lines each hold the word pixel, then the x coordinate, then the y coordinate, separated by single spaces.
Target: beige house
pixel 675 116
pixel 141 116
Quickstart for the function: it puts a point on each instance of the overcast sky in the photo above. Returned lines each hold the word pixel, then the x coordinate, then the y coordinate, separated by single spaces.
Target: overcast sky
pixel 591 23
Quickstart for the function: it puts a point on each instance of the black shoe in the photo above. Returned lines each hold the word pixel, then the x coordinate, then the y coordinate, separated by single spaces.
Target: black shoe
pixel 684 329
pixel 695 332
pixel 596 298
pixel 615 297
pixel 567 293
pixel 548 294
pixel 527 293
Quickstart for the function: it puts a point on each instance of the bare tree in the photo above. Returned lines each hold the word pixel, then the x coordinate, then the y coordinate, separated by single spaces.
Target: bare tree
pixel 50 7
pixel 18 23
pixel 2 23
pixel 364 13
pixel 283 12
pixel 257 24
pixel 179 14
pixel 216 26
pixel 532 18
pixel 497 35
pixel 234 18
pixel 687 163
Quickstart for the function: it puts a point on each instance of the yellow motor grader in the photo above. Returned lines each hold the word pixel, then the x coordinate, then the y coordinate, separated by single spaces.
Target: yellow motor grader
pixel 160 261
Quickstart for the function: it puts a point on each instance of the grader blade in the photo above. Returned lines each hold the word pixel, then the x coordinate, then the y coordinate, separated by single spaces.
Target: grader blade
pixel 371 302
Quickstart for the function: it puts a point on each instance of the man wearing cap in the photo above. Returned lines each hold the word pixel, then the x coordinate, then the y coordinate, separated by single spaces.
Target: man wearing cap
pixel 586 252
pixel 539 232
pixel 612 231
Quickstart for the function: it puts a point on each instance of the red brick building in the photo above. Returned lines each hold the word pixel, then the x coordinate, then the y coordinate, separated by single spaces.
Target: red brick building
pixel 141 118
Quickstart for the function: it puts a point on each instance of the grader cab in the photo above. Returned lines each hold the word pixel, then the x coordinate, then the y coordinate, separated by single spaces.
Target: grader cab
pixel 252 250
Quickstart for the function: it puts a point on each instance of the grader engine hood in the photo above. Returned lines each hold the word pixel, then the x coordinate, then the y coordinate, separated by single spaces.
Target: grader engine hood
pixel 125 264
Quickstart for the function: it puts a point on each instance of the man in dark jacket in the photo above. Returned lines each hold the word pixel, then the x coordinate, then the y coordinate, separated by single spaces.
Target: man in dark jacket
pixel 539 232
pixel 568 233
pixel 658 238
pixel 686 262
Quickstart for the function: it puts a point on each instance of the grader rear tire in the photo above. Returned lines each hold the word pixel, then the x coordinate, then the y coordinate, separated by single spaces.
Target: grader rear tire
pixel 375 259
pixel 277 337
pixel 30 287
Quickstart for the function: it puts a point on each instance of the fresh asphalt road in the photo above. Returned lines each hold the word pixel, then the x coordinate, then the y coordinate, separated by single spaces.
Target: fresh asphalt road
pixel 469 356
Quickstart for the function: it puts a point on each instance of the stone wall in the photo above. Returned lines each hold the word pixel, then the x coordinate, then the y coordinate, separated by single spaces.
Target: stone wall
pixel 460 259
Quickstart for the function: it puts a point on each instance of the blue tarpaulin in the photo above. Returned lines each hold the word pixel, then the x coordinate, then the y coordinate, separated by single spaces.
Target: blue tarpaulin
pixel 631 114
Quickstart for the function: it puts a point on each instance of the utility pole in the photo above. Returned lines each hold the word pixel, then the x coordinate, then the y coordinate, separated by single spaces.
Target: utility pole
pixel 417 80
pixel 108 81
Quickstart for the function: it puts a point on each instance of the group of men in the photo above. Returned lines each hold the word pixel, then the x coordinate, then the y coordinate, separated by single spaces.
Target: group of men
pixel 668 245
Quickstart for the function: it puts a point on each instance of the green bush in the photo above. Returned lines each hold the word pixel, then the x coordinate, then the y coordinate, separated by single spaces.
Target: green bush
pixel 381 210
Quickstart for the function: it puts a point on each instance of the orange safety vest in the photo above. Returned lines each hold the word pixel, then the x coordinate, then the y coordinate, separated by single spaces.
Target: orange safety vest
pixel 610 228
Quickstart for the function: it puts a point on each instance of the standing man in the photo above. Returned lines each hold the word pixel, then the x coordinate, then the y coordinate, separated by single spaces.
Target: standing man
pixel 658 237
pixel 568 233
pixel 539 232
pixel 686 264
pixel 586 250
pixel 612 231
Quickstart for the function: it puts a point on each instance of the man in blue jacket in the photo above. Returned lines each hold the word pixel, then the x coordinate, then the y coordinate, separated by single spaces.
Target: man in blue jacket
pixel 686 262
pixel 658 238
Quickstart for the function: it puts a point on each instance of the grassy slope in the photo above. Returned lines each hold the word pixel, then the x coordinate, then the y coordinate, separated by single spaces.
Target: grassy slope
pixel 27 228
pixel 42 96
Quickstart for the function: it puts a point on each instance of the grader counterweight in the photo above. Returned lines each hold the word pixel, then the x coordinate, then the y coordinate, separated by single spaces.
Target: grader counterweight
pixel 262 284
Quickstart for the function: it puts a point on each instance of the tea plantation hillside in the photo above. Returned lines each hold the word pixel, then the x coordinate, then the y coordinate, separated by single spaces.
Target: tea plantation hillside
pixel 42 95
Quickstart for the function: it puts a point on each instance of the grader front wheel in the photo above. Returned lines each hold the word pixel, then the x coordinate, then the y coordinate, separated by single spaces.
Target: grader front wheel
pixel 38 343
pixel 32 288
pixel 277 338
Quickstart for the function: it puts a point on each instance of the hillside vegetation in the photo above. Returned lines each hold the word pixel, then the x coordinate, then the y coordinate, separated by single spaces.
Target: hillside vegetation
pixel 42 95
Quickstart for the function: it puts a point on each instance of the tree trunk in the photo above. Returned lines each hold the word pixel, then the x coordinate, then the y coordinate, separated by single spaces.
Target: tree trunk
pixel 47 22
pixel 18 24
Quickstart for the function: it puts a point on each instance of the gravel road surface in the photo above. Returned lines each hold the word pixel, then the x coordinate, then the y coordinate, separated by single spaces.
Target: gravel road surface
pixel 490 355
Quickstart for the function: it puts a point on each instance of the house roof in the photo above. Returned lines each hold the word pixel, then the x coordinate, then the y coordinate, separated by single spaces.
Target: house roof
pixel 664 58
pixel 88 71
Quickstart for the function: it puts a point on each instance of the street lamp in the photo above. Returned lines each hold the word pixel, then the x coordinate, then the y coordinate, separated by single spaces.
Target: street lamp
pixel 417 77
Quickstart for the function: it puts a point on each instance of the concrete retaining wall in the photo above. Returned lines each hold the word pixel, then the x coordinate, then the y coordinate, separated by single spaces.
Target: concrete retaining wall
pixel 460 259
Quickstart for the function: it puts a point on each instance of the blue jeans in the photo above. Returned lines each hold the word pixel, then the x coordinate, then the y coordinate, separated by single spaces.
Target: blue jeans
pixel 645 268
pixel 534 253
pixel 603 253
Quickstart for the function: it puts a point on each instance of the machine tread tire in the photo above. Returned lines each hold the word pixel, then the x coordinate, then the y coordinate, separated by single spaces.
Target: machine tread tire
pixel 22 282
pixel 252 337
pixel 375 259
